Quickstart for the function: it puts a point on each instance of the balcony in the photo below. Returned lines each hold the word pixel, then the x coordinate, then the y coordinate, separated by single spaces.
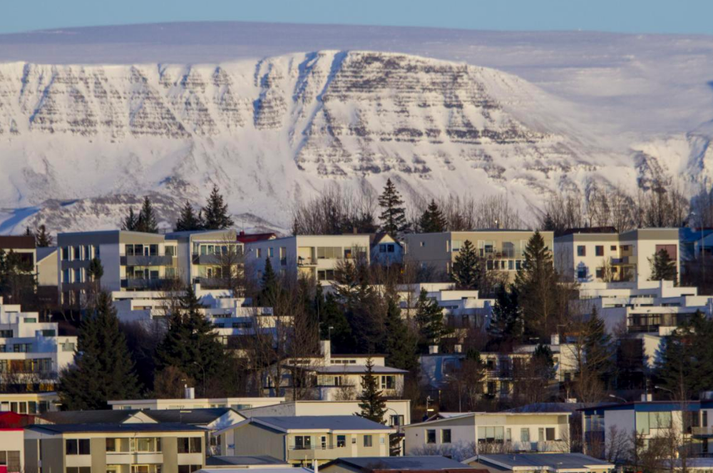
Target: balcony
pixel 326 452
pixel 302 261
pixel 620 261
pixel 140 283
pixel 702 431
pixel 142 260
pixel 214 260
pixel 212 283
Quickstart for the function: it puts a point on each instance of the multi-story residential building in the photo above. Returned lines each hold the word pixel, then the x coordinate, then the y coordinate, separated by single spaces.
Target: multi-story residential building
pixel 32 353
pixel 329 377
pixel 398 410
pixel 210 258
pixel 461 308
pixel 481 432
pixel 551 463
pixel 29 403
pixel 603 255
pixel 385 250
pixel 502 249
pixel 131 261
pixel 502 370
pixel 115 448
pixel 305 440
pixel 689 421
pixel 313 256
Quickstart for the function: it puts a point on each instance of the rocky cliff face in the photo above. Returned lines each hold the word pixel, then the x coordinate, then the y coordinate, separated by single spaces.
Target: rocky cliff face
pixel 272 131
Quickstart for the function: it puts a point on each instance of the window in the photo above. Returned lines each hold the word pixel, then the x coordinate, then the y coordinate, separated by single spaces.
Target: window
pixel 525 434
pixel 550 434
pixel 422 244
pixel 303 442
pixel 77 446
pixel 189 445
pixel 367 441
pixel 600 273
pixel 541 434
pixel 599 250
pixel 508 435
pixel 581 273
pixel 111 445
pixel 388 382
pixel 612 247
pixel 652 420
pixel 77 275
pixel 397 420
pixel 185 468
pixel 491 434
pixel 704 420
pixel 341 441
pixel 430 436
pixel 329 252
pixel 11 459
pixel 145 445
pixel 65 253
pixel 5 333
pixel 446 436
pixel 79 469
pixel 258 252
pixel 581 250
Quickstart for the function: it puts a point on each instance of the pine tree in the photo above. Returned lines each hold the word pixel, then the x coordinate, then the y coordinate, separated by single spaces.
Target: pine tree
pixel 542 364
pixel 188 220
pixel 131 222
pixel 432 219
pixel 506 326
pixel 393 216
pixel 42 238
pixel 216 212
pixel 191 343
pixel 536 286
pixel 271 292
pixel 372 403
pixel 401 346
pixel 429 318
pixel 333 323
pixel 103 369
pixel 468 269
pixel 598 349
pixel 663 268
pixel 147 218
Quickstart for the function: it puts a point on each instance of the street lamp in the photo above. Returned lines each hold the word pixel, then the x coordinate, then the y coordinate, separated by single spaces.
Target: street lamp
pixel 617 397
pixel 665 389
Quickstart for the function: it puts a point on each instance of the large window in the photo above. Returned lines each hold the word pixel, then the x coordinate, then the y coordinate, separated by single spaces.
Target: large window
pixel 388 382
pixel 341 440
pixel 77 446
pixel 525 434
pixel 645 421
pixel 329 252
pixel 11 459
pixel 430 436
pixel 491 434
pixel 303 442
pixel 189 445
pixel 396 420
pixel 368 442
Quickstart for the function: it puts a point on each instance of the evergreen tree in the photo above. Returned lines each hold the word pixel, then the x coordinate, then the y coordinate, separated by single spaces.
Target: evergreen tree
pixel 271 292
pixel 103 369
pixel 191 343
pixel 333 323
pixel 371 401
pixel 598 349
pixel 542 364
pixel 401 346
pixel 429 318
pixel 216 212
pixel 393 216
pixel 432 219
pixel 188 220
pixel 42 238
pixel 147 218
pixel 663 268
pixel 537 290
pixel 468 268
pixel 131 222
pixel 506 326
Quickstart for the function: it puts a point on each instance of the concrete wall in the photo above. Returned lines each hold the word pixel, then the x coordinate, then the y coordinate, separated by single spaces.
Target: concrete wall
pixel 250 439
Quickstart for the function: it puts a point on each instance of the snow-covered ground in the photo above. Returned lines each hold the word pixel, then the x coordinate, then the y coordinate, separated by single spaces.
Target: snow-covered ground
pixel 597 99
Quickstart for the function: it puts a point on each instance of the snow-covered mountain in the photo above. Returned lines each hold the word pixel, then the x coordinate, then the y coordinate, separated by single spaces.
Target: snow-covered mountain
pixel 80 143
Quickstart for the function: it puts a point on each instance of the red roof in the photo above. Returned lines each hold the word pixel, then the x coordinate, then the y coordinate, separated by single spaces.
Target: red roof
pixel 13 421
pixel 251 237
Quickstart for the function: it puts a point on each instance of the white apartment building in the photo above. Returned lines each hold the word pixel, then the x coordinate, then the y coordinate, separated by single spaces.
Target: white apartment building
pixel 460 307
pixel 191 402
pixel 32 353
pixel 597 255
pixel 481 432
pixel 204 256
pixel 331 377
pixel 313 256
pixel 502 249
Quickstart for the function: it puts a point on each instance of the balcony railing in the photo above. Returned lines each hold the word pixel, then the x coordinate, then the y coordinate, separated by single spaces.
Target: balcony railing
pixel 142 260
pixel 141 283
pixel 302 261
pixel 702 431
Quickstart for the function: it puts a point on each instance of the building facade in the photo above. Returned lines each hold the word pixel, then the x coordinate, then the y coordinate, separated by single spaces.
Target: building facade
pixel 210 258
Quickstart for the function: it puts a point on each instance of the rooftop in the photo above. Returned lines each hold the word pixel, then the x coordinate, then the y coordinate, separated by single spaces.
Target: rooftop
pixel 17 242
pixel 161 416
pixel 114 427
pixel 329 423
pixel 414 463
pixel 243 460
pixel 555 461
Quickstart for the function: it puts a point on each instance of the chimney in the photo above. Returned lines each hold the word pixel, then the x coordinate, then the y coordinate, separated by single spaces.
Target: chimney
pixel 189 393
pixel 555 339
pixel 646 397
pixel 325 348
pixel 433 349
pixel 458 348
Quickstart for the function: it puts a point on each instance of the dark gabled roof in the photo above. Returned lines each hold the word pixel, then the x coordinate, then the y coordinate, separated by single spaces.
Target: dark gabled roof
pixel 558 461
pixel 106 416
pixel 17 242
pixel 243 460
pixel 319 423
pixel 114 427
pixel 415 463
pixel 187 416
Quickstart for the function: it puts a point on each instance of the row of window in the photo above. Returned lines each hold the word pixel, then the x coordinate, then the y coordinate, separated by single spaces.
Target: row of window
pixel 304 442
pixel 212 249
pixel 26 407
pixel 387 381
pixel 144 445
pixel 495 434
pixel 598 250
pixel 39 365
pixel 134 469
pixel 80 252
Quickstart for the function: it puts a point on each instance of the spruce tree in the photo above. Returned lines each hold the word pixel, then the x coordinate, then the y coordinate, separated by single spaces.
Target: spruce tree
pixel 432 219
pixel 393 215
pixel 598 349
pixel 401 345
pixel 468 268
pixel 271 292
pixel 103 369
pixel 216 212
pixel 188 221
pixel 536 286
pixel 506 326
pixel 131 222
pixel 334 325
pixel 371 401
pixel 42 238
pixel 663 268
pixel 429 318
pixel 147 218
pixel 191 343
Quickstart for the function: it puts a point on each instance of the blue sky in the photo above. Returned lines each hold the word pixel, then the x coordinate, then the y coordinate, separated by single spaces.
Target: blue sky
pixel 629 16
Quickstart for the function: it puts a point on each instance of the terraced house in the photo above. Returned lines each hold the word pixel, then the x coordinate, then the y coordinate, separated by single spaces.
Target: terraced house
pixel 114 448
pixel 210 258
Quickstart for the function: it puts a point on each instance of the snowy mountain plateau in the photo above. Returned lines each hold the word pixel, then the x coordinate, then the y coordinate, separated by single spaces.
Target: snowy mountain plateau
pixel 83 137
